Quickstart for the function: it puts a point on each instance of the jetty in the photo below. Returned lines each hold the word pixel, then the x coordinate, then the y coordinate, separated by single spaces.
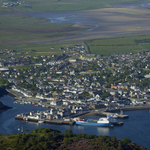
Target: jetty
pixel 103 113
pixel 54 121
pixel 58 122
pixel 121 116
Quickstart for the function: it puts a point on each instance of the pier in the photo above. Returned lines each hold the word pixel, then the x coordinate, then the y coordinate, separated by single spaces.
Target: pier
pixel 102 113
pixel 54 121
pixel 59 122
pixel 121 116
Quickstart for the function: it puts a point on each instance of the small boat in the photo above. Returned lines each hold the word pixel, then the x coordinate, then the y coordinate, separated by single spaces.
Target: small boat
pixel 25 119
pixel 18 128
pixel 113 116
pixel 101 122
pixel 22 103
pixel 40 121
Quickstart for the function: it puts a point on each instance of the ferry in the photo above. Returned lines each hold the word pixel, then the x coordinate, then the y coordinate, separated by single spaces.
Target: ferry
pixel 100 122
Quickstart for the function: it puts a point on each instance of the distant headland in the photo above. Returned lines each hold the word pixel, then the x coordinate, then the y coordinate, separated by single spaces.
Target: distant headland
pixel 2 106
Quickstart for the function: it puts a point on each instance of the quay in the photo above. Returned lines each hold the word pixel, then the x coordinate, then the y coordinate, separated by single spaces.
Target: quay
pixel 21 97
pixel 102 113
pixel 60 122
pixel 121 116
pixel 54 121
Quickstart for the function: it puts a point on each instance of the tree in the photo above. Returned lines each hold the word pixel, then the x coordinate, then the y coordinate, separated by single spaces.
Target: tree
pixel 126 141
pixel 105 94
pixel 68 133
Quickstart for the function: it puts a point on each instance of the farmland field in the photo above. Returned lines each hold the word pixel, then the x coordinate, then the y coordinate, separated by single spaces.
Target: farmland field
pixel 61 5
pixel 125 44
pixel 106 26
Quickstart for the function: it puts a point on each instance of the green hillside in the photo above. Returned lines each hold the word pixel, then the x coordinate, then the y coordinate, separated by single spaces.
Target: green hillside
pixel 49 139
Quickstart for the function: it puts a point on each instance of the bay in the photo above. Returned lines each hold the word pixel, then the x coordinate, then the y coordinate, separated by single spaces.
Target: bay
pixel 136 127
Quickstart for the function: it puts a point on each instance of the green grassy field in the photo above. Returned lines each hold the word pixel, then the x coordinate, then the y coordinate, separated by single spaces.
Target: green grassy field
pixel 41 48
pixel 119 45
pixel 23 29
pixel 125 44
pixel 61 5
pixel 15 29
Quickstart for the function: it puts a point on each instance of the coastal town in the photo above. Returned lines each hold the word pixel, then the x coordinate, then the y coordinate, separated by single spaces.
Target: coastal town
pixel 76 82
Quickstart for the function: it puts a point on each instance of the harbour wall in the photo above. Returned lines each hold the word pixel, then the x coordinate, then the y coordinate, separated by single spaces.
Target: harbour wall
pixel 60 122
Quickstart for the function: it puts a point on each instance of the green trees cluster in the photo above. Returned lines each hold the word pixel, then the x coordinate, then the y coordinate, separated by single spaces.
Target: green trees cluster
pixel 45 139
pixel 26 85
pixel 84 95
pixel 105 94
pixel 4 83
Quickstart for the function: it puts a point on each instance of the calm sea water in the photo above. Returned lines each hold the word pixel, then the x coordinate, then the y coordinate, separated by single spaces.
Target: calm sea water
pixel 136 127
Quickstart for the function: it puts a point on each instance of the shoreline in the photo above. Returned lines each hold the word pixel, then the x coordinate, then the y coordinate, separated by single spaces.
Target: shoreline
pixel 99 112
pixel 5 108
pixel 11 93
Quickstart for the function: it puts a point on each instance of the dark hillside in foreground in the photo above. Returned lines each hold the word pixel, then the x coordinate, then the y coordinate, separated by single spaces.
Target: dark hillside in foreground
pixel 3 107
pixel 2 93
pixel 44 139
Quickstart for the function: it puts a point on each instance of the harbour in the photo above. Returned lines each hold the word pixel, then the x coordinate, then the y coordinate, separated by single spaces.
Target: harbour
pixel 58 122
pixel 132 127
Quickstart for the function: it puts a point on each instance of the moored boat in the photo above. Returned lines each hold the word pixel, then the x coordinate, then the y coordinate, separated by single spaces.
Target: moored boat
pixel 100 122
pixel 25 119
pixel 113 116
pixel 40 121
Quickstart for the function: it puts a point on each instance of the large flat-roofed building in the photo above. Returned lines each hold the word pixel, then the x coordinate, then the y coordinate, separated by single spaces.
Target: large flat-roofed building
pixel 4 70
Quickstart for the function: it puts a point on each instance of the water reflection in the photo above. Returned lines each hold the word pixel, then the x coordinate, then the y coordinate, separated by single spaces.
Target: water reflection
pixel 147 5
pixel 103 130
pixel 80 129
pixel 57 20
pixel 132 5
pixel 132 128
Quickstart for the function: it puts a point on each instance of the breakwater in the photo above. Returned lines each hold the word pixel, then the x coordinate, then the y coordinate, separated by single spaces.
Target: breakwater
pixel 55 121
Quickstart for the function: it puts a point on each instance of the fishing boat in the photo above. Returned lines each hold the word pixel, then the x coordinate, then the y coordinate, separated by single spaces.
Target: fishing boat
pixel 113 116
pixel 100 122
pixel 25 119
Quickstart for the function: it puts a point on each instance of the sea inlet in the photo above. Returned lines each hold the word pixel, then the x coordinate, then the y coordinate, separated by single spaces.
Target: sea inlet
pixel 136 127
